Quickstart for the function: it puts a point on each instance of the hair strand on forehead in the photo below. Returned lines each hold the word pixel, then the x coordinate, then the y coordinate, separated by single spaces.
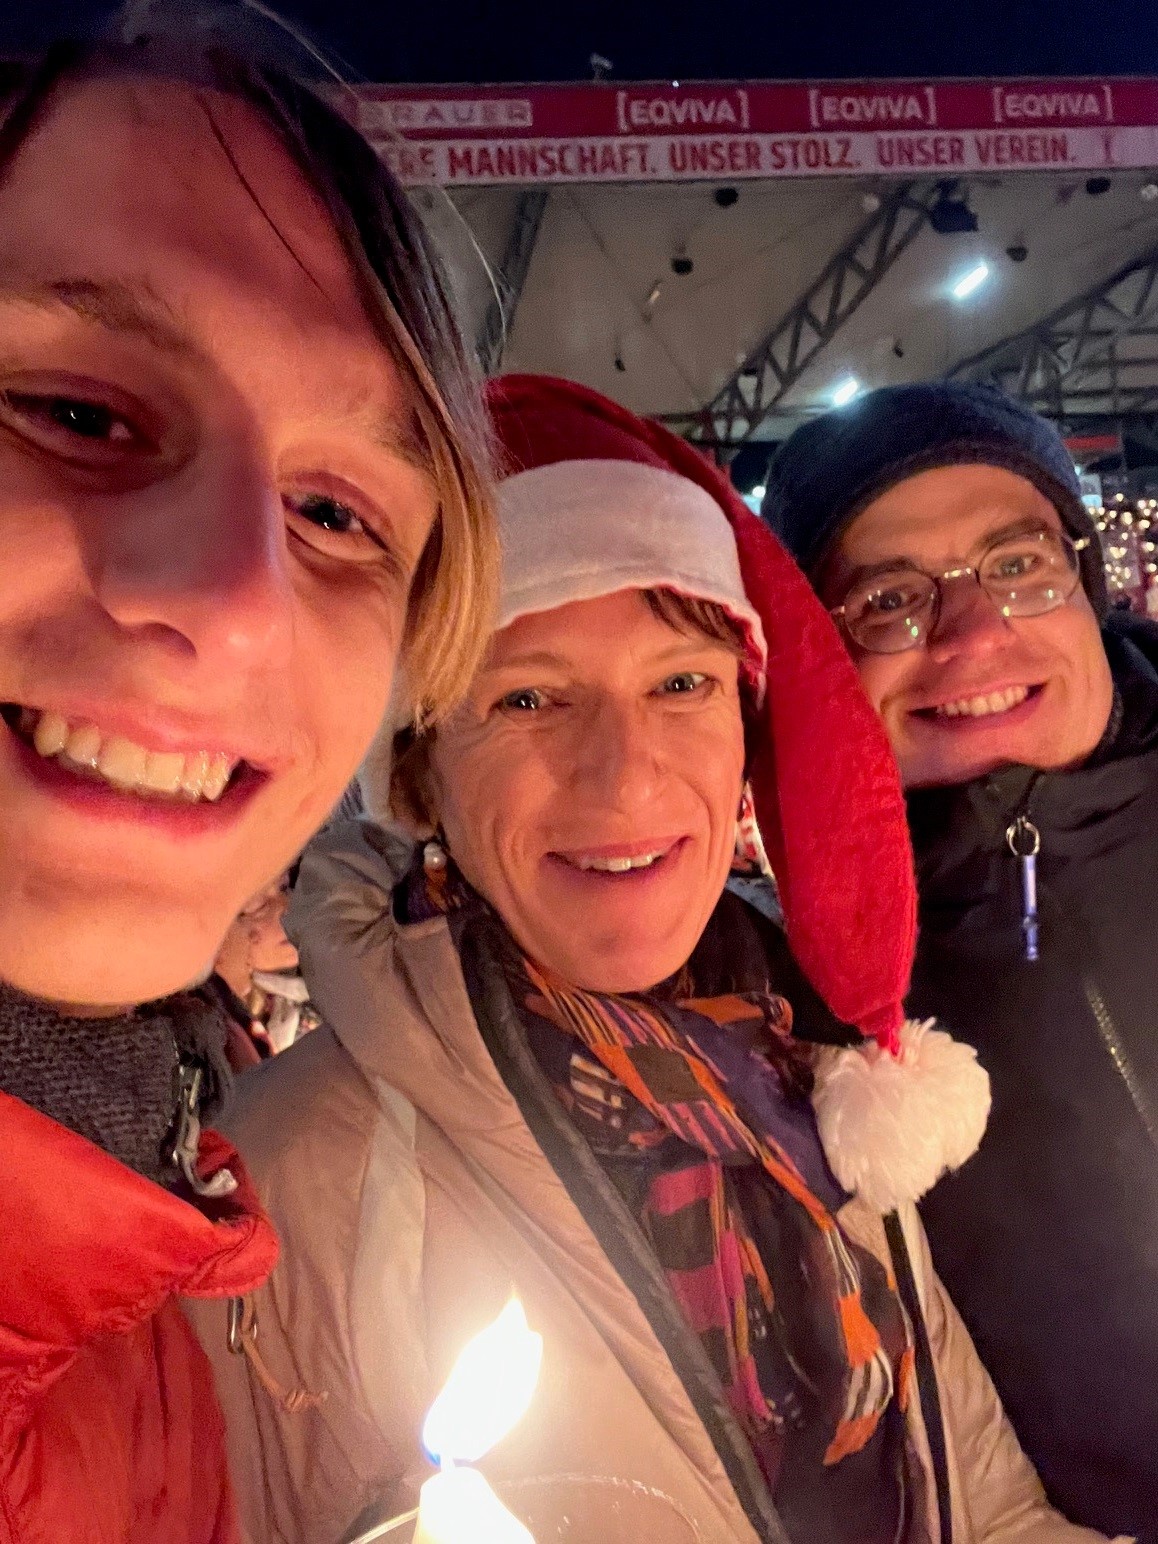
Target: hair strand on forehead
pixel 690 614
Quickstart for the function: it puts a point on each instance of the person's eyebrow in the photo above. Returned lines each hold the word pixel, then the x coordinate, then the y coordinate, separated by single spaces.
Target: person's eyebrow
pixel 546 659
pixel 539 659
pixel 394 429
pixel 131 310
pixel 692 643
pixel 399 434
pixel 1028 525
pixel 867 571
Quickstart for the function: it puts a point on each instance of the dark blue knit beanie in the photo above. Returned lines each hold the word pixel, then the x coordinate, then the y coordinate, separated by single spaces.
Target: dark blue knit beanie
pixel 832 467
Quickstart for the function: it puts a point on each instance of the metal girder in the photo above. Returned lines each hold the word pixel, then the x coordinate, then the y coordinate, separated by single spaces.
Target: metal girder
pixel 783 355
pixel 1143 431
pixel 1078 360
pixel 511 278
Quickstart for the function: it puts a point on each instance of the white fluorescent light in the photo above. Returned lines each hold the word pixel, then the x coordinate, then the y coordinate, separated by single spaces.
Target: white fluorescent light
pixel 759 491
pixel 970 281
pixel 845 391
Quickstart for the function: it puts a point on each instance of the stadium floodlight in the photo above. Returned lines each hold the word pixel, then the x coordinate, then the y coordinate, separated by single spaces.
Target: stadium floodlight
pixel 973 280
pixel 844 391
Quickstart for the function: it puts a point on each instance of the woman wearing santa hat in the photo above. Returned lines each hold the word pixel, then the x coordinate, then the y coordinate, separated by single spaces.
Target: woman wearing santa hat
pixel 562 1056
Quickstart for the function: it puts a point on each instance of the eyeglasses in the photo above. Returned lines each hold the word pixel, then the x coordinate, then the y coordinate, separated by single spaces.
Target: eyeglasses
pixel 1024 576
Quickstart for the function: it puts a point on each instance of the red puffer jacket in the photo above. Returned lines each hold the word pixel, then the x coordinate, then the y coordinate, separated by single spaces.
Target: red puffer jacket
pixel 110 1432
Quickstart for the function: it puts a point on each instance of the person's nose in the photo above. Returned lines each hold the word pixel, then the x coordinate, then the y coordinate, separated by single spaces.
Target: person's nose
pixel 619 760
pixel 968 623
pixel 198 565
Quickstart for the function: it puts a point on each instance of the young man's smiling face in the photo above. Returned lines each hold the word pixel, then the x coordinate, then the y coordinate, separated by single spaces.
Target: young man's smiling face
pixel 210 514
pixel 983 690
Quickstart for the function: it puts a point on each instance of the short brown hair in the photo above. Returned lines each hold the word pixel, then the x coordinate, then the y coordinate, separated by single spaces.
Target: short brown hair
pixel 410 799
pixel 689 614
pixel 407 298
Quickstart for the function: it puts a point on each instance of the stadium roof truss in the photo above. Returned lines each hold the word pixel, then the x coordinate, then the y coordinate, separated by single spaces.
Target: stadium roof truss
pixel 511 277
pixel 774 366
pixel 1094 357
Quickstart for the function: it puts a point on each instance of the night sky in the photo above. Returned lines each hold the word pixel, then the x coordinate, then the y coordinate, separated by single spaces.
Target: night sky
pixel 553 39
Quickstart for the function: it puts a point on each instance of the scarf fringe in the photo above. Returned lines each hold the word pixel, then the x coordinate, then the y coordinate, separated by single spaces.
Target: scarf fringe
pixel 891 1126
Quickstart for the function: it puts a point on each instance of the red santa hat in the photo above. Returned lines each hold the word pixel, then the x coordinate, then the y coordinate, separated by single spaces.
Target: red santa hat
pixel 595 499
pixel 676 538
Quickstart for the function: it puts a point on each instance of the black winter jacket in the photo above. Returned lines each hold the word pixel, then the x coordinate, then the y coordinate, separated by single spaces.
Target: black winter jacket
pixel 1048 1239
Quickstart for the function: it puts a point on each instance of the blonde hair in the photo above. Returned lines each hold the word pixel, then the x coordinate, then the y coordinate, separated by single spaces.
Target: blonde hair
pixel 454 594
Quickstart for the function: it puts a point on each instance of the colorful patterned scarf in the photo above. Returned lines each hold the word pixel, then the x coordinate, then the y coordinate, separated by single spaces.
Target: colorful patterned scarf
pixel 715 1090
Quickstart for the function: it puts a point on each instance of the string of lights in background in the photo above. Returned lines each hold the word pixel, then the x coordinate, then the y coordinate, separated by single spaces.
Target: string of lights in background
pixel 1128 526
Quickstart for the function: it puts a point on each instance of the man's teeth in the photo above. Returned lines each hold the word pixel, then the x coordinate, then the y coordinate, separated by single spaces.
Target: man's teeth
pixel 618 865
pixel 129 767
pixel 978 707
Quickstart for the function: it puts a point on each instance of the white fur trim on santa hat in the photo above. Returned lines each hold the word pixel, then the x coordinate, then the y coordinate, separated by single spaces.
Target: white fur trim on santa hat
pixel 576 530
pixel 891 1126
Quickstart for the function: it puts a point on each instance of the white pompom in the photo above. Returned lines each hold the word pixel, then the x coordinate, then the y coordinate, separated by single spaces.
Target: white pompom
pixel 891 1126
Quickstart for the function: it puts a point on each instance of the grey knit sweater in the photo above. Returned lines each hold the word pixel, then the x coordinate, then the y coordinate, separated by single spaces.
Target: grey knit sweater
pixel 114 1081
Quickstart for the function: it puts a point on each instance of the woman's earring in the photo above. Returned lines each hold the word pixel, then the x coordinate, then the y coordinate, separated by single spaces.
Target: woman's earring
pixel 751 857
pixel 434 856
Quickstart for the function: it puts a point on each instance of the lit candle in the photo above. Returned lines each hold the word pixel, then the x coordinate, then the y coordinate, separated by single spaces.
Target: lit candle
pixel 457 1506
pixel 487 1393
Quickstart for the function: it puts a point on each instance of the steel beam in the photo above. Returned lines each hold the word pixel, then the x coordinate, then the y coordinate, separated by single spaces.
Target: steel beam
pixel 1143 431
pixel 783 355
pixel 511 278
pixel 1076 360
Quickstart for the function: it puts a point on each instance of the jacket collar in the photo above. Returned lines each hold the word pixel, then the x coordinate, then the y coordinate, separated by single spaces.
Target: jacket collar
pixel 94 1248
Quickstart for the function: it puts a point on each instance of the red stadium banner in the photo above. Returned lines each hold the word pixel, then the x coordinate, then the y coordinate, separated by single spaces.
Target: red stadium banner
pixel 1092 447
pixel 604 131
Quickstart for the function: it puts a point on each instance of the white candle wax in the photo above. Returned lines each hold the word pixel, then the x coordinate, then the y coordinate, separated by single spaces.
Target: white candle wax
pixel 457 1506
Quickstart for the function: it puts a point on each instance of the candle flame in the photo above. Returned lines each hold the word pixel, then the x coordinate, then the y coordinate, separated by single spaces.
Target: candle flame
pixel 488 1391
pixel 459 1507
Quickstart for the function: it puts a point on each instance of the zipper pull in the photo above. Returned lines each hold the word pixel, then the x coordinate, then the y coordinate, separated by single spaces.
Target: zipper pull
pixel 1025 843
pixel 187 1138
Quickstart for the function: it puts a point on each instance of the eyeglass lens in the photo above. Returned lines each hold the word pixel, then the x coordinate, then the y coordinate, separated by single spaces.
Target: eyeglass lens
pixel 1024 576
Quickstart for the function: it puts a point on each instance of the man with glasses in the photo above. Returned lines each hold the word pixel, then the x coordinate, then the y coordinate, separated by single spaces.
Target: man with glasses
pixel 943 526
